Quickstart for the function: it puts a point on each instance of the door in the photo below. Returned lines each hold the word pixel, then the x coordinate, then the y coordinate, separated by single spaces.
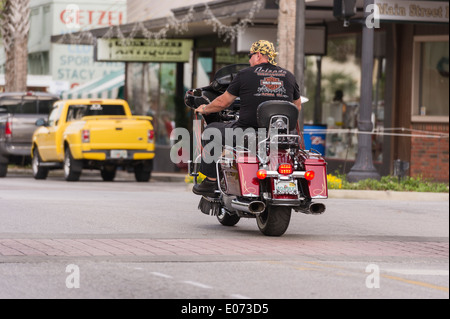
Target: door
pixel 47 138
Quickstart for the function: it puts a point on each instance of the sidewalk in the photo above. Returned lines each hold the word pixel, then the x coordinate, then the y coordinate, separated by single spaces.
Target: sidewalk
pixel 332 193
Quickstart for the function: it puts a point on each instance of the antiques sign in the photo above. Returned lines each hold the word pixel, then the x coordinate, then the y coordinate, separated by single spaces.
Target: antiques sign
pixel 143 50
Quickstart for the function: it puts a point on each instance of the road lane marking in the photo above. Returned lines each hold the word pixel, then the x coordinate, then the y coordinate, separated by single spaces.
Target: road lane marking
pixel 237 296
pixel 160 274
pixel 421 272
pixel 417 283
pixel 197 284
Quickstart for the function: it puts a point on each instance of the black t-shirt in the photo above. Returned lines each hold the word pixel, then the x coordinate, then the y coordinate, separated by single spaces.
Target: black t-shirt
pixel 258 84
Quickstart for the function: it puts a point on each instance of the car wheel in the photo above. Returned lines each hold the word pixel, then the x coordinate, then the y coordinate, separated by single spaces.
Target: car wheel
pixel 143 171
pixel 108 173
pixel 39 172
pixel 72 167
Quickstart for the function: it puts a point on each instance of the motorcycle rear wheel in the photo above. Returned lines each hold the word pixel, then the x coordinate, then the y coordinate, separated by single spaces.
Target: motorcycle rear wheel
pixel 274 221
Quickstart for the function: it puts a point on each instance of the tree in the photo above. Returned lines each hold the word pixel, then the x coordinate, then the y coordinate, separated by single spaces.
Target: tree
pixel 14 27
pixel 286 34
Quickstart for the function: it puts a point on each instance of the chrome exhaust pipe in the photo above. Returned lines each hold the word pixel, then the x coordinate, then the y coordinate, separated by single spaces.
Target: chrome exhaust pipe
pixel 312 209
pixel 255 207
pixel 317 208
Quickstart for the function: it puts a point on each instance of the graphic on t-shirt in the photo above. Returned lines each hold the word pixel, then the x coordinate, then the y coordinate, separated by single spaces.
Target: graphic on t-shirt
pixel 271 86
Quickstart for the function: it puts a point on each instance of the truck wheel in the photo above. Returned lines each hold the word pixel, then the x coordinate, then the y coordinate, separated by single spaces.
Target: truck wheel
pixel 143 171
pixel 3 169
pixel 274 221
pixel 72 167
pixel 108 173
pixel 39 172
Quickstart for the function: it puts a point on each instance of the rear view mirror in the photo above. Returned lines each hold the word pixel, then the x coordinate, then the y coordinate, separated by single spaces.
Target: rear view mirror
pixel 41 122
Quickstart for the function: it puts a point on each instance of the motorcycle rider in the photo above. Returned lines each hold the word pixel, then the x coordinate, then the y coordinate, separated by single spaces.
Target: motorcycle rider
pixel 260 82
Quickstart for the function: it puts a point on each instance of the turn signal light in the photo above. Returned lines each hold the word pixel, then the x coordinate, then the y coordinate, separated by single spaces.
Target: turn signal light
pixel 309 175
pixel 285 169
pixel 261 174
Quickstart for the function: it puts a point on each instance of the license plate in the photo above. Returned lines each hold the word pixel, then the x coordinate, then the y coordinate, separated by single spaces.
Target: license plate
pixel 286 187
pixel 119 154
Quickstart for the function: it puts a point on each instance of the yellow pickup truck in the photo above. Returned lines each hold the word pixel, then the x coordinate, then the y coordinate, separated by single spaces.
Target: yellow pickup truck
pixel 93 134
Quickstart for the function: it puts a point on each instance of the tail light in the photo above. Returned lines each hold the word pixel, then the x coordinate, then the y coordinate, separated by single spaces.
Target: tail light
pixel 309 175
pixel 8 129
pixel 85 136
pixel 285 169
pixel 150 136
pixel 261 174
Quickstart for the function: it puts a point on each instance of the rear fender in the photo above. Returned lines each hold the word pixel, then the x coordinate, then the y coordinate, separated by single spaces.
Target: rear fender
pixel 247 166
pixel 318 185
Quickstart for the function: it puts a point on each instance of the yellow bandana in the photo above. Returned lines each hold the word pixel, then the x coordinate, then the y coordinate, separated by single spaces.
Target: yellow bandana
pixel 265 48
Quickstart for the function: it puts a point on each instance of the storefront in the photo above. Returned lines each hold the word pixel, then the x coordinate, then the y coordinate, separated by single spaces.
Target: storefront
pixel 410 82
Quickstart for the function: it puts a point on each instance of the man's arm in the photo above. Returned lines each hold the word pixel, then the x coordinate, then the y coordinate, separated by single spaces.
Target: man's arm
pixel 298 104
pixel 218 104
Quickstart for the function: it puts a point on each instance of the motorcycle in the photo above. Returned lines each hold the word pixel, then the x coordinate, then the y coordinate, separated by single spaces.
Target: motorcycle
pixel 266 183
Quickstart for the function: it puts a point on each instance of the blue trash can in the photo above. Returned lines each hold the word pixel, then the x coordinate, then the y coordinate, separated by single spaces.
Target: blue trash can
pixel 315 137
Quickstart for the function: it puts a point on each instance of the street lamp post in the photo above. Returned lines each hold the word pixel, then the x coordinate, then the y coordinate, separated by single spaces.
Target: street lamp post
pixel 363 167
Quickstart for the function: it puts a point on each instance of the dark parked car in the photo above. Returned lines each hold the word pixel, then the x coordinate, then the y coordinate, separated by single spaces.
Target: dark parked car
pixel 18 114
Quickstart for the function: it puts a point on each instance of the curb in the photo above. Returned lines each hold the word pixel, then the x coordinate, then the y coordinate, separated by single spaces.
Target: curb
pixel 332 193
pixel 387 195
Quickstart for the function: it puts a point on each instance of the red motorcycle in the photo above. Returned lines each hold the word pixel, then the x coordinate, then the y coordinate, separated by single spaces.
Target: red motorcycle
pixel 266 183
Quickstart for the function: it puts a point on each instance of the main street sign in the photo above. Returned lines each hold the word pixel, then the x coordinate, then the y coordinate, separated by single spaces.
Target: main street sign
pixel 417 11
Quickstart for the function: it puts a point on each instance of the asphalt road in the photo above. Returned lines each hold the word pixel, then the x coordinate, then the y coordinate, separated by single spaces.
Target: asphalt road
pixel 123 239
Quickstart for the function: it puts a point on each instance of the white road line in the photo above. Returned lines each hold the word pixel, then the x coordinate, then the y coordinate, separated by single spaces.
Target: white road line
pixel 423 272
pixel 161 275
pixel 237 296
pixel 197 284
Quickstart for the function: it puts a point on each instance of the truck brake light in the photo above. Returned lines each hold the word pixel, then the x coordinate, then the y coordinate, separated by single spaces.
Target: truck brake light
pixel 150 136
pixel 8 128
pixel 85 136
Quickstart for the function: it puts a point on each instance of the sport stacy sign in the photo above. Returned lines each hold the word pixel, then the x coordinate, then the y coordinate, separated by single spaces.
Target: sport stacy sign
pixel 143 50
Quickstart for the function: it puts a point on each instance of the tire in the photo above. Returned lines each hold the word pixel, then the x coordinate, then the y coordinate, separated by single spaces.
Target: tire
pixel 39 172
pixel 143 171
pixel 108 173
pixel 274 221
pixel 3 169
pixel 72 167
pixel 226 219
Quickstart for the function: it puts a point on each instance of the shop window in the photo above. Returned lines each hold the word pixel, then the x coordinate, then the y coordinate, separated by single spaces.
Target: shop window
pixel 430 79
pixel 151 92
pixel 333 105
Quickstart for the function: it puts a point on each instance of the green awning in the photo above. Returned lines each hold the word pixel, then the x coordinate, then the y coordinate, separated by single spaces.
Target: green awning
pixel 107 87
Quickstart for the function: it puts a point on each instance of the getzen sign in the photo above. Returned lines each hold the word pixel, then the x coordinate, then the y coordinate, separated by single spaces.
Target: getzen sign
pixel 96 18
pixel 420 11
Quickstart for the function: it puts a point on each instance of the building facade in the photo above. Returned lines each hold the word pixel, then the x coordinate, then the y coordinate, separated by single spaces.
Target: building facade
pixel 58 67
pixel 410 75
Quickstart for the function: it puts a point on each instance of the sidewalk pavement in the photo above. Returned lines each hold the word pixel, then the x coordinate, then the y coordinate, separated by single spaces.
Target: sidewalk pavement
pixel 332 193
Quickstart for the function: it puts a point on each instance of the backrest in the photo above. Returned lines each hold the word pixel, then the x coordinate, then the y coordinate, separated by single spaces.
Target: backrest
pixel 268 109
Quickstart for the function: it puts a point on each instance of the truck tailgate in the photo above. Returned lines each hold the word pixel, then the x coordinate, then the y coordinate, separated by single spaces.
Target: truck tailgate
pixel 126 133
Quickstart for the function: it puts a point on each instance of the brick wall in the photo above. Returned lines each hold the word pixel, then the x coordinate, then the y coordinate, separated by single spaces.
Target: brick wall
pixel 430 156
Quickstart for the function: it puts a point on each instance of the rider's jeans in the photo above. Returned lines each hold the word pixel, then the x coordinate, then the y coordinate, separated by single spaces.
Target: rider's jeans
pixel 208 168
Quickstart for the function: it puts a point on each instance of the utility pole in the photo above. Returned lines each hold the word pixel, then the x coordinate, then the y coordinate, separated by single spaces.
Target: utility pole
pixel 363 167
pixel 299 58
